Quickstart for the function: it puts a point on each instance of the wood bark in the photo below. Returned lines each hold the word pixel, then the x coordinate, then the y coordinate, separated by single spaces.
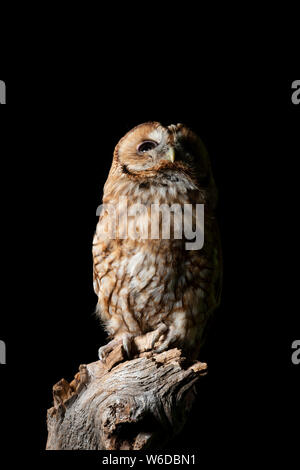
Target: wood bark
pixel 135 404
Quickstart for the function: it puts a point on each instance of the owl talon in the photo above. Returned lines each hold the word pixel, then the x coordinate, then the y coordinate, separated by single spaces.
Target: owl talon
pixel 102 355
pixel 127 344
pixel 163 347
pixel 170 339
pixel 104 351
pixel 160 331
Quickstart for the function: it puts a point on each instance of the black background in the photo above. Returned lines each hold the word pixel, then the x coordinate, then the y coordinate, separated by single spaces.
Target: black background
pixel 58 133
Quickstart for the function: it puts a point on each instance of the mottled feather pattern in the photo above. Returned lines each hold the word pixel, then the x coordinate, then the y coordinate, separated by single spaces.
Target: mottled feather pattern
pixel 143 283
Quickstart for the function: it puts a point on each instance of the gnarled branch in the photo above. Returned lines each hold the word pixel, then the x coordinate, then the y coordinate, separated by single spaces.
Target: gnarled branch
pixel 124 404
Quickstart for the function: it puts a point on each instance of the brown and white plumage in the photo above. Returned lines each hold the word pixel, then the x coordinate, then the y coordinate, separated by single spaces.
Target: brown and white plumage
pixel 156 284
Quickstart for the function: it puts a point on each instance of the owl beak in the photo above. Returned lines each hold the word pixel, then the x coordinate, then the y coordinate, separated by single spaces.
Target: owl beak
pixel 170 154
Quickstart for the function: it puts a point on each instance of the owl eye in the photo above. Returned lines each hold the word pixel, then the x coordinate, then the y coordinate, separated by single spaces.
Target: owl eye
pixel 146 146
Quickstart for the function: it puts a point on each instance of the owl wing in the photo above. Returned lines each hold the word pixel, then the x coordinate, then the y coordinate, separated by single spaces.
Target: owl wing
pixel 99 252
pixel 216 281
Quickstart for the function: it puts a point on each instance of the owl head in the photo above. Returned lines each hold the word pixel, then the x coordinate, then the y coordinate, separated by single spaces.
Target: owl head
pixel 151 146
pixel 150 150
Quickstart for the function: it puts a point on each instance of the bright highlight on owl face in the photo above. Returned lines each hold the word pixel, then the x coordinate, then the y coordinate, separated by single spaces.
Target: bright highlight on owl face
pixel 151 146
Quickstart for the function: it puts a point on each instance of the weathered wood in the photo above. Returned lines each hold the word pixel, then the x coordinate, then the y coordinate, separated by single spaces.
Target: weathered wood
pixel 136 404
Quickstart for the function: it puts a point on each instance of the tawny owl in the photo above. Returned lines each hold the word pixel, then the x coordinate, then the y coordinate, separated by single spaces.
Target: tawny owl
pixel 154 283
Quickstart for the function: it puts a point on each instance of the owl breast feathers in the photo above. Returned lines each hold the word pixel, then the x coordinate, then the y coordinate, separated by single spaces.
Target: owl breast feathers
pixel 154 283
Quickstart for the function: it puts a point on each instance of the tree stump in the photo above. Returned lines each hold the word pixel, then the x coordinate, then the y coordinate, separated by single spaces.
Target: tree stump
pixel 135 404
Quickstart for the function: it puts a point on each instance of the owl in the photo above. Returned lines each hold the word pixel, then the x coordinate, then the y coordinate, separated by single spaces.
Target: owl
pixel 154 283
